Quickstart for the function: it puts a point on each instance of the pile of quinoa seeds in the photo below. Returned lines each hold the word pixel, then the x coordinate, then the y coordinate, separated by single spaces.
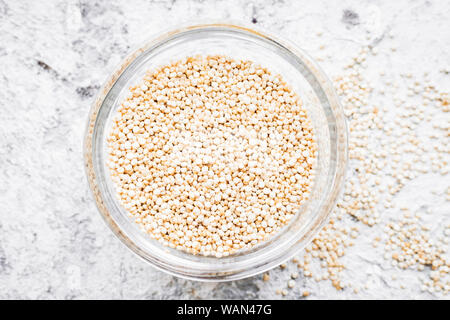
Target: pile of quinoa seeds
pixel 210 155
pixel 398 132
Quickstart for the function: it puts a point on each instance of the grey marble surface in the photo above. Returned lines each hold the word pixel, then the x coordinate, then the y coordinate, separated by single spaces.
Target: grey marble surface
pixel 54 55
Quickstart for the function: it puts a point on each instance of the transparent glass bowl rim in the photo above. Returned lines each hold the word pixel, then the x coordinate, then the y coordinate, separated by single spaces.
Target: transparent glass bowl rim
pixel 240 270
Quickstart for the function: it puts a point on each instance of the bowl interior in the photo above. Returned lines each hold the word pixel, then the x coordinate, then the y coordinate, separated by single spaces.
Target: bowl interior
pixel 319 100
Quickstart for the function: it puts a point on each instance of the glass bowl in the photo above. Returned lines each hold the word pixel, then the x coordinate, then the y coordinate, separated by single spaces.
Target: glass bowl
pixel 319 99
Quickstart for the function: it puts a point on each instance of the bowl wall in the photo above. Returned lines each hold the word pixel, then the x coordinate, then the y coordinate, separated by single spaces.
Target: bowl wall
pixel 319 99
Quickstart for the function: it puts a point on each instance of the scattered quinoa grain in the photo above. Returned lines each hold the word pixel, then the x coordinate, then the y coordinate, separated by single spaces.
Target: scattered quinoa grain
pixel 386 152
pixel 291 284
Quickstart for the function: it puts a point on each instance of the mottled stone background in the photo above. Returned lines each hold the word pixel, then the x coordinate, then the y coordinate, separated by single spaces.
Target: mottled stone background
pixel 54 55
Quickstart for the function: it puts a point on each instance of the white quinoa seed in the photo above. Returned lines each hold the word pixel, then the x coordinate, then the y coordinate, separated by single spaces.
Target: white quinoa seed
pixel 210 155
pixel 291 284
